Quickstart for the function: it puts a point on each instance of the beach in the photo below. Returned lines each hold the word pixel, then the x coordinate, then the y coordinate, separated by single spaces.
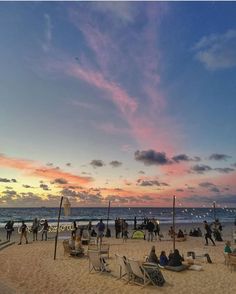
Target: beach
pixel 31 269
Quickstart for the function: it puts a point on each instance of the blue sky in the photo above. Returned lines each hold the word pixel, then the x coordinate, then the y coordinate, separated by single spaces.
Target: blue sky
pixel 134 83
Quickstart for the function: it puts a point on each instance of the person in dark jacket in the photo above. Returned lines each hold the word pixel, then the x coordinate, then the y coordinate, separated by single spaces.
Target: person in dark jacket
pixel 23 231
pixel 208 233
pixel 9 228
pixel 176 259
pixel 150 228
pixel 45 230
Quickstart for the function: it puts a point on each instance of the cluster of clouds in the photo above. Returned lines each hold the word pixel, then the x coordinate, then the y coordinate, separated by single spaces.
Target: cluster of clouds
pixel 99 163
pixel 152 157
pixel 217 51
pixel 4 180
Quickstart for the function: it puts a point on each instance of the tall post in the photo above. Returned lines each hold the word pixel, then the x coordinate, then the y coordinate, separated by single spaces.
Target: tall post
pixel 173 222
pixel 58 222
pixel 214 210
pixel 108 233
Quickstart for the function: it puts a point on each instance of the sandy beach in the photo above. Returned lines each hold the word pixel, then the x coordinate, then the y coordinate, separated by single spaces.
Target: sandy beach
pixel 31 269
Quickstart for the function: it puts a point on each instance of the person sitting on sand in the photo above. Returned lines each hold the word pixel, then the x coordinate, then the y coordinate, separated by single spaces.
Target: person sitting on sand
pixel 72 242
pixel 180 234
pixel 228 248
pixel 23 231
pixel 152 256
pixel 163 259
pixel 171 232
pixel 175 259
pixel 78 246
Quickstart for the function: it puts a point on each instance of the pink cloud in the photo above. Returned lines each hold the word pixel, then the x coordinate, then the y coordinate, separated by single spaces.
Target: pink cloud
pixel 32 168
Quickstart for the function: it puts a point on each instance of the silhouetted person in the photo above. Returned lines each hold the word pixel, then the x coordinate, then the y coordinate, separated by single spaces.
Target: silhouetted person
pixel 45 230
pixel 208 233
pixel 35 228
pixel 9 228
pixel 23 231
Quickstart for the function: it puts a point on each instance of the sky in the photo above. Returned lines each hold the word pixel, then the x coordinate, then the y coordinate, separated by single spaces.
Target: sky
pixel 128 102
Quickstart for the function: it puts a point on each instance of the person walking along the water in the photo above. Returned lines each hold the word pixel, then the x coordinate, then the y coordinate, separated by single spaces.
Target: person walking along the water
pixel 45 230
pixel 23 231
pixel 208 234
pixel 9 228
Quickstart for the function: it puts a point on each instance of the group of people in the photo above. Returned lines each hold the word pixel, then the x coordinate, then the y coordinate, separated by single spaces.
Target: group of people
pixel 121 229
pixel 179 235
pixel 195 232
pixel 88 231
pixel 173 259
pixel 35 228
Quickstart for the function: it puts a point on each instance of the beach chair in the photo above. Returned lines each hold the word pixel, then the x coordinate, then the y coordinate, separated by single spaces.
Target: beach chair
pixel 85 239
pixel 200 255
pixel 67 250
pixel 102 248
pixel 96 262
pixel 139 274
pixel 232 261
pixel 124 268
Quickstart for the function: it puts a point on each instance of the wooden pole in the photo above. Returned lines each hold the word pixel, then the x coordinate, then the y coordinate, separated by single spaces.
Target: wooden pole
pixel 58 222
pixel 214 210
pixel 174 222
pixel 108 215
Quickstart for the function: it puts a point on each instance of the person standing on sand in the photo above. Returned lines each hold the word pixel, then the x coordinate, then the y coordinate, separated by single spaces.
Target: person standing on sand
pixel 23 231
pixel 208 233
pixel 45 230
pixel 101 228
pixel 35 228
pixel 9 228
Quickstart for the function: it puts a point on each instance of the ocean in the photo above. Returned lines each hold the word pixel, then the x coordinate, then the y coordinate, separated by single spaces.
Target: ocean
pixel 84 214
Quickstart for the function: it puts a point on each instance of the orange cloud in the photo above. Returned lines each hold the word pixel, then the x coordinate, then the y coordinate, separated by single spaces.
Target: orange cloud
pixel 34 169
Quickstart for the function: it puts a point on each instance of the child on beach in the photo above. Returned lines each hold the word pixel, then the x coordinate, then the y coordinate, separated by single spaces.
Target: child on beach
pixel 23 231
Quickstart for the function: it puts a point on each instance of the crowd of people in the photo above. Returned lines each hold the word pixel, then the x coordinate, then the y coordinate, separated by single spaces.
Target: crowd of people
pixel 37 226
pixel 150 227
